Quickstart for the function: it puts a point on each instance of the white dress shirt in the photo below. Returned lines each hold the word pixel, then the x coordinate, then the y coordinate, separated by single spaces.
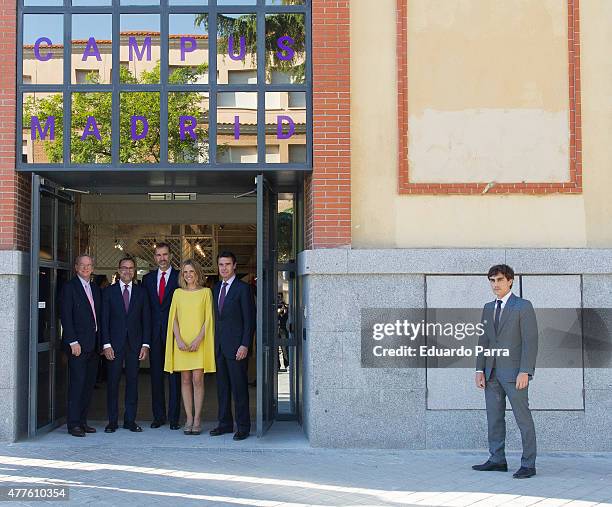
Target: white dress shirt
pixel 227 287
pixel 159 276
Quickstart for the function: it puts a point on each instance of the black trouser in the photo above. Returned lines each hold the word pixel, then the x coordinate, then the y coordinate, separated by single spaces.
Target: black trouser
pixel 232 380
pixel 158 392
pixel 115 368
pixel 81 380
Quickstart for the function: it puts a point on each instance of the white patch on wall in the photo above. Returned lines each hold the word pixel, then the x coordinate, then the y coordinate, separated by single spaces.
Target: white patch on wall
pixel 483 145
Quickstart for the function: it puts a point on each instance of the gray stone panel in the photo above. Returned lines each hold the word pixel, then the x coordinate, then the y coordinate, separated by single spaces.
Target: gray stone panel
pixel 560 260
pixel 335 301
pixel 598 420
pixel 597 291
pixel 552 291
pixel 453 389
pixel 324 261
pixel 387 418
pixel 14 262
pixel 457 429
pixel 8 412
pixel 461 291
pixel 326 361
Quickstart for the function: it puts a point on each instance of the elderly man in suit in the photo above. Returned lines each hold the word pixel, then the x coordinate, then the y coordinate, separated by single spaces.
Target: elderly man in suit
pixel 509 323
pixel 126 331
pixel 160 285
pixel 234 326
pixel 80 317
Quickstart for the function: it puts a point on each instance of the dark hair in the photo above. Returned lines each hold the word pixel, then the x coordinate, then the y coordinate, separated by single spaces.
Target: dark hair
pixel 127 258
pixel 228 254
pixel 502 269
pixel 162 245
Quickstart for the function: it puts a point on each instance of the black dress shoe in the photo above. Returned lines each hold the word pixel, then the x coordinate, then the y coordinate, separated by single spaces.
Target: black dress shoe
pixel 489 466
pixel 524 473
pixel 157 424
pixel 88 429
pixel 215 432
pixel 132 427
pixel 77 431
pixel 241 435
pixel 175 426
pixel 110 428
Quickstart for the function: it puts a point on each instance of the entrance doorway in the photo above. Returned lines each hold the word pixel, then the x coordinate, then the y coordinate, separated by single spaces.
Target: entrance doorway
pixel 111 225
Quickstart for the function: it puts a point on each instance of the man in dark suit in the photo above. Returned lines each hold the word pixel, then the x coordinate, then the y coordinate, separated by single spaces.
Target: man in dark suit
pixel 160 284
pixel 126 331
pixel 509 323
pixel 80 317
pixel 234 325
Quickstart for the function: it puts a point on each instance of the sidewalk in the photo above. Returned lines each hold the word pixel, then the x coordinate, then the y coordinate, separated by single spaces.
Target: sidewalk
pixel 160 467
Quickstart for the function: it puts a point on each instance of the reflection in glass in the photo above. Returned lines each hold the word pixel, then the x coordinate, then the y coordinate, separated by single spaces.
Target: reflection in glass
pixel 188 47
pixel 91 3
pixel 285 2
pixel 43 132
pixel 46 3
pixel 285 127
pixel 285 230
pixel 139 2
pixel 44 305
pixel 139 128
pixel 91 48
pixel 90 141
pixel 188 127
pixel 43 49
pixel 64 230
pixel 46 227
pixel 140 48
pixel 61 359
pixel 43 390
pixel 236 127
pixel 286 47
pixel 187 2
pixel 236 2
pixel 237 46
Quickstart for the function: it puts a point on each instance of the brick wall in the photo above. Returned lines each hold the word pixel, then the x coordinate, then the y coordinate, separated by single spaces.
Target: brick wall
pixel 14 188
pixel 328 190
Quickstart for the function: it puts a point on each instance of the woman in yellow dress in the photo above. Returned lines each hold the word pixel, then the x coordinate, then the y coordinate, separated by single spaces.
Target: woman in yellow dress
pixel 190 341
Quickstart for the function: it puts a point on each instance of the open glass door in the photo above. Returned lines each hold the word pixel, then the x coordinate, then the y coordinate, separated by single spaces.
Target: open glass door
pixel 50 267
pixel 267 318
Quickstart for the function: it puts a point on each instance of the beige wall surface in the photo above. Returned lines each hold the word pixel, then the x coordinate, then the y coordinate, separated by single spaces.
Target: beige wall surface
pixel 384 218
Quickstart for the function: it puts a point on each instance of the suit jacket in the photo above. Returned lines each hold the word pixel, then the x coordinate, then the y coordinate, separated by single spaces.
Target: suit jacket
pixel 517 332
pixel 234 326
pixel 78 323
pixel 160 312
pixel 120 329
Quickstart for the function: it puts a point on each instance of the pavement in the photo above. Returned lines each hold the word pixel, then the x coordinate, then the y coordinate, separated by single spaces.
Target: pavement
pixel 163 467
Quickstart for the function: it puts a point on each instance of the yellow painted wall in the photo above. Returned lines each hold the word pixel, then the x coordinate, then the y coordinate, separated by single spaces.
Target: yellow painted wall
pixel 383 218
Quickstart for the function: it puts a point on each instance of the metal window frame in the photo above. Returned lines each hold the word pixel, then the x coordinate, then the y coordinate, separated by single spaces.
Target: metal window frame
pixel 213 88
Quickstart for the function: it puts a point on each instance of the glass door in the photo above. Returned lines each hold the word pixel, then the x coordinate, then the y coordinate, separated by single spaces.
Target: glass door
pixel 50 267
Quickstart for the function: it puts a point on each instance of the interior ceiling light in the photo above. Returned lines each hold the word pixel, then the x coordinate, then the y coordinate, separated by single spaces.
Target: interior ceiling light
pixel 159 196
pixel 184 196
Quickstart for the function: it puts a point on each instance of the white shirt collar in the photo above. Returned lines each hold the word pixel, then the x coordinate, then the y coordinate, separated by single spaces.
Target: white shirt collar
pixel 83 281
pixel 229 282
pixel 159 271
pixel 504 300
pixel 123 284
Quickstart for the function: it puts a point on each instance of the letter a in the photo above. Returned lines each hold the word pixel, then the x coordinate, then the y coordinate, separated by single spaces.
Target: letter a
pixel 91 50
pixel 91 129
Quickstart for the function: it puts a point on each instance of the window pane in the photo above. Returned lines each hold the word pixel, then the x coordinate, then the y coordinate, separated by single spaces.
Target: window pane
pixel 46 3
pixel 46 227
pixel 91 128
pixel 43 49
pixel 64 230
pixel 286 126
pixel 237 127
pixel 139 2
pixel 188 127
pixel 140 48
pixel 42 128
pixel 187 2
pixel 286 47
pixel 139 128
pixel 91 48
pixel 237 46
pixel 91 3
pixel 285 2
pixel 188 46
pixel 43 412
pixel 236 2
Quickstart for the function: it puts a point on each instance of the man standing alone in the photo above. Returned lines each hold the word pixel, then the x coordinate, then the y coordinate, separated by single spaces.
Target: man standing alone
pixel 80 314
pixel 234 325
pixel 510 323
pixel 160 285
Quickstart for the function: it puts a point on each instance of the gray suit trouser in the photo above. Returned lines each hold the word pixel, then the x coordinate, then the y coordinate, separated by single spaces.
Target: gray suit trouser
pixel 495 398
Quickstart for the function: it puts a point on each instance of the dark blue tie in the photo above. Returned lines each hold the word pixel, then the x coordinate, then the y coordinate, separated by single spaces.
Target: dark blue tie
pixel 497 314
pixel 222 296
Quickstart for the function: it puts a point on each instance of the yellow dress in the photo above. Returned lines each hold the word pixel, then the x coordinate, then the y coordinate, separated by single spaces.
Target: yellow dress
pixel 193 308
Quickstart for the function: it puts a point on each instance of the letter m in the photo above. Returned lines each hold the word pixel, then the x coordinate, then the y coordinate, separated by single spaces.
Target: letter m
pixel 37 128
pixel 140 52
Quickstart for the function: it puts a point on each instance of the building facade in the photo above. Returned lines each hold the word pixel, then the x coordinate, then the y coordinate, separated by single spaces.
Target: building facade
pixel 432 140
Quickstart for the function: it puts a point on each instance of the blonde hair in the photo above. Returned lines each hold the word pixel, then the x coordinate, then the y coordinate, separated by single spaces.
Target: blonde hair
pixel 198 271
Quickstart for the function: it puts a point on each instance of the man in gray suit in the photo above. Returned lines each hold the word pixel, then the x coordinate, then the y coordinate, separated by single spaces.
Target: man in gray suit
pixel 509 323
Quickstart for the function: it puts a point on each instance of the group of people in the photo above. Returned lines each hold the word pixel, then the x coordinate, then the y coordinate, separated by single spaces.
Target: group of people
pixel 183 327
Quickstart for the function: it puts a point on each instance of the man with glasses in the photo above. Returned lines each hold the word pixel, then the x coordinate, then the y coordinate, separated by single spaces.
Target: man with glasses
pixel 126 332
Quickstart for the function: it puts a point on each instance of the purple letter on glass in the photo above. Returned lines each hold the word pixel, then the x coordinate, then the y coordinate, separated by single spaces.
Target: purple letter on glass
pixel 91 129
pixel 134 124
pixel 232 51
pixel 282 44
pixel 49 128
pixel 140 52
pixel 37 54
pixel 279 128
pixel 189 128
pixel 184 49
pixel 91 50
